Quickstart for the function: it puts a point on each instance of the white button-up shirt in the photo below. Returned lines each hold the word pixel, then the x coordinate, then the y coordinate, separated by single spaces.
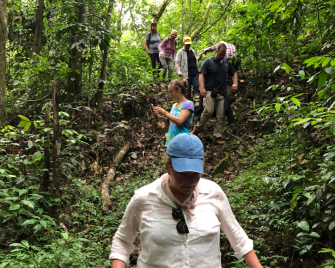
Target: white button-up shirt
pixel 150 213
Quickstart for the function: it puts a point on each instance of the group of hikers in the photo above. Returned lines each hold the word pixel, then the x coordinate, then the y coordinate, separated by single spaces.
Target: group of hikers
pixel 210 90
pixel 178 217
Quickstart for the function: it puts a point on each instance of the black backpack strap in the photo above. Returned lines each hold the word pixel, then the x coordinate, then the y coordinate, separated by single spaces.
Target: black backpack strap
pixel 148 41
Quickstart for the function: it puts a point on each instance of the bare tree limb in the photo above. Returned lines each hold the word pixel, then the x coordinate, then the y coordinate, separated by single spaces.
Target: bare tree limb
pixel 204 19
pixel 161 10
pixel 219 18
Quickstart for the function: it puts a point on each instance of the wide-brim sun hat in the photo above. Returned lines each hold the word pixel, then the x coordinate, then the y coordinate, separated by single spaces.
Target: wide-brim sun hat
pixel 187 40
pixel 174 33
pixel 186 152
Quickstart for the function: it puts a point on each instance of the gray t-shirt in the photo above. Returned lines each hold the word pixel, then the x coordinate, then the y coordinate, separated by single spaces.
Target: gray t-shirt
pixel 154 42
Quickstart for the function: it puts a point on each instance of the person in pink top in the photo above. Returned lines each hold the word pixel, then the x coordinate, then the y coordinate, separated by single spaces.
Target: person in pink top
pixel 167 52
pixel 231 54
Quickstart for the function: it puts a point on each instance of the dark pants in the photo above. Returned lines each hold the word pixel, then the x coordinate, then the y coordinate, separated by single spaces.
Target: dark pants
pixel 193 80
pixel 154 59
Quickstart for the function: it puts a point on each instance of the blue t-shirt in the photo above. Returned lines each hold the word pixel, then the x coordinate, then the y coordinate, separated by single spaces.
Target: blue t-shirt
pixel 174 129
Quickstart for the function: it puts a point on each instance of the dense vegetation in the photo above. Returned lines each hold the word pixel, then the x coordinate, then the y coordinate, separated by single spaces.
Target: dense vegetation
pixel 281 182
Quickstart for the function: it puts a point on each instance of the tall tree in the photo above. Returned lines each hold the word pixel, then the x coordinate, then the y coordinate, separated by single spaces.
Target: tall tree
pixel 204 20
pixel 105 48
pixel 76 52
pixel 161 10
pixel 37 46
pixel 3 39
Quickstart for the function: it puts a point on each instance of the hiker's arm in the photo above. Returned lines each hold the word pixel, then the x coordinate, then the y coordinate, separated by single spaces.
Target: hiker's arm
pixel 235 82
pixel 117 264
pixel 252 260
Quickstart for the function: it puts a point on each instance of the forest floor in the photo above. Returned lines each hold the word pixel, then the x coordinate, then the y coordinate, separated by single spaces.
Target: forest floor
pixel 128 116
pixel 131 119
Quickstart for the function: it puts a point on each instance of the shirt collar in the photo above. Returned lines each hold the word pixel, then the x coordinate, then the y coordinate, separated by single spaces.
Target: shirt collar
pixel 163 196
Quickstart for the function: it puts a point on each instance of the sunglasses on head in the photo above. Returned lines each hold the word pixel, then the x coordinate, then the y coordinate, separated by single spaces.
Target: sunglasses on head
pixel 177 214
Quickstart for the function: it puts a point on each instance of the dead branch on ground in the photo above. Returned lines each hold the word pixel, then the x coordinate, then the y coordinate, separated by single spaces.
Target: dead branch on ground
pixel 105 196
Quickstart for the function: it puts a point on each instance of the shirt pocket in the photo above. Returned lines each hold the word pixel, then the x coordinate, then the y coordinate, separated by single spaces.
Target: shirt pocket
pixel 207 223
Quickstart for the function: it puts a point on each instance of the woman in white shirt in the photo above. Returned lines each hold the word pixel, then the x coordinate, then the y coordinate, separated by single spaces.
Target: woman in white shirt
pixel 179 217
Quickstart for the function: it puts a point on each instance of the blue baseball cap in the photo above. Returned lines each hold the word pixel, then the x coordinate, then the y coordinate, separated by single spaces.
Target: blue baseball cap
pixel 186 152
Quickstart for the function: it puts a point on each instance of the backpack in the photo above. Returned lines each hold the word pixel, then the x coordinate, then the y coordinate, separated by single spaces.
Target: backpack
pixel 167 38
pixel 148 41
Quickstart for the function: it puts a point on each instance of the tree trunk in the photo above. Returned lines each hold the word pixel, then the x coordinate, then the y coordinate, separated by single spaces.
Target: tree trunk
pixel 47 161
pixel 104 64
pixel 56 143
pixel 37 46
pixel 161 10
pixel 204 20
pixel 3 39
pixel 75 61
pixel 119 23
pixel 105 197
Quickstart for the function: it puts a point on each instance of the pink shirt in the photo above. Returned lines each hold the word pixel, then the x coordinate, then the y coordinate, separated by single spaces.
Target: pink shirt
pixel 231 50
pixel 167 48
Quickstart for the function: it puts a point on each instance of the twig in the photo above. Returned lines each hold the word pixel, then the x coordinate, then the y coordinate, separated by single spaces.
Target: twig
pixel 37 99
pixel 238 139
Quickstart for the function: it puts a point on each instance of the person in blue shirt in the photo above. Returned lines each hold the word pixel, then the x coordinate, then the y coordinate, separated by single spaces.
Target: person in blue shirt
pixel 181 115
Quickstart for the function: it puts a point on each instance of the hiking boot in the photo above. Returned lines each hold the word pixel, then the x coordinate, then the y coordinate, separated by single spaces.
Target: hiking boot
pixel 218 141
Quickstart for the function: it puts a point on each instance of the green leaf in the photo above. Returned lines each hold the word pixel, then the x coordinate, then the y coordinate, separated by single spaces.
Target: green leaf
pixel 30 144
pixel 24 118
pixel 328 250
pixel 302 121
pixel 31 221
pixel 28 203
pixel 314 234
pixel 331 225
pixel 298 190
pixel 287 68
pixel 16 245
pixel 22 123
pixel 302 74
pixel 295 101
pixel 307 195
pixel 27 126
pixel 277 68
pixel 329 70
pixel 277 107
pixel 294 201
pixel 302 234
pixel 4 264
pixel 65 236
pixel 325 62
pixel 14 207
pixel 43 223
pixel 25 243
pixel 23 191
pixel 303 225
pixel 322 79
